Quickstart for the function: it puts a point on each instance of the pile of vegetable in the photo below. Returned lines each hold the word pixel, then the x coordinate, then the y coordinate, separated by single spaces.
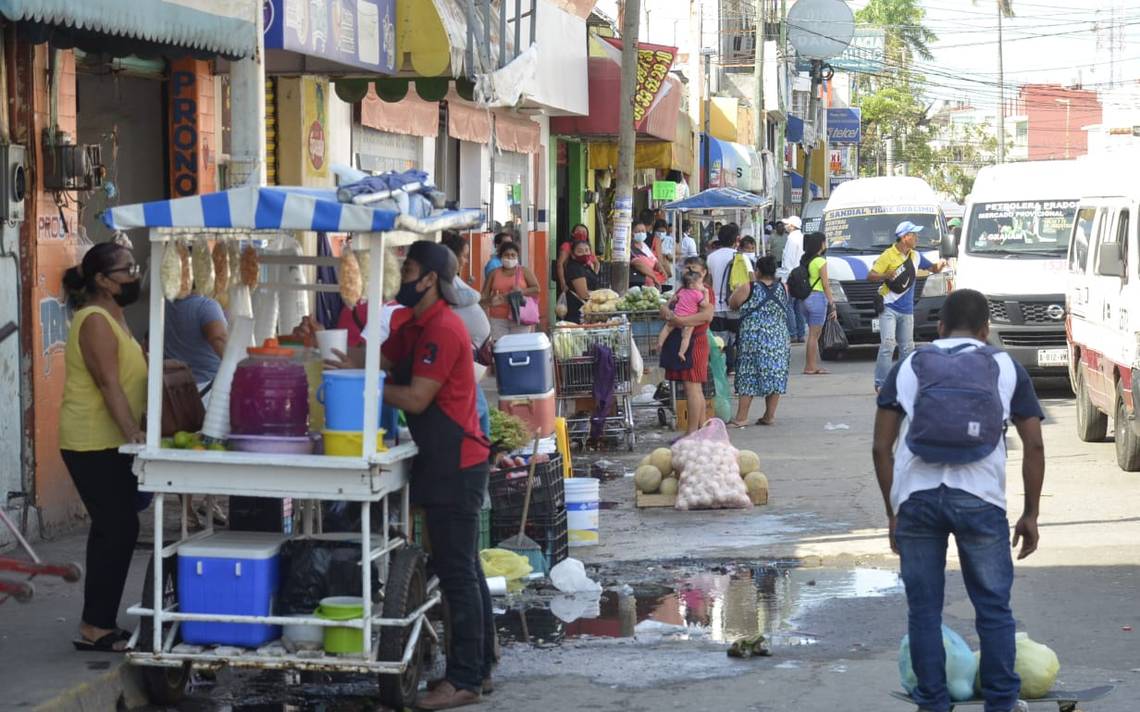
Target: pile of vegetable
pixel 183 440
pixel 571 341
pixel 602 301
pixel 709 476
pixel 642 299
pixel 508 431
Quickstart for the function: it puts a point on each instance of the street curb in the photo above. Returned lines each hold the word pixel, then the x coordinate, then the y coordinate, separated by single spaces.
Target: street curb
pixel 116 689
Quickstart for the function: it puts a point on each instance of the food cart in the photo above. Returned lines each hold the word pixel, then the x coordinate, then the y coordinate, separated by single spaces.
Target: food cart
pixel 396 631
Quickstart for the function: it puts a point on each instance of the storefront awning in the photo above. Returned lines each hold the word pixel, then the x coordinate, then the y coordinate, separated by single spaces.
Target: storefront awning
pixel 733 165
pixel 144 28
pixel 722 198
pixel 411 116
pixel 662 155
pixel 798 183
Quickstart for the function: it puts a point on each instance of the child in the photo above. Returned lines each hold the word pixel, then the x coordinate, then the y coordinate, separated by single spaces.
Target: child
pixel 688 301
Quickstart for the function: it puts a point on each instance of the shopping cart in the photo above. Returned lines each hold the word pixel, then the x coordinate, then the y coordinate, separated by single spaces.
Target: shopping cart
pixel 23 591
pixel 574 365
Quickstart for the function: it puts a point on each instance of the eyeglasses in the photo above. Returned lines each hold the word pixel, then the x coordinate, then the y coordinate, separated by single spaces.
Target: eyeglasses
pixel 132 270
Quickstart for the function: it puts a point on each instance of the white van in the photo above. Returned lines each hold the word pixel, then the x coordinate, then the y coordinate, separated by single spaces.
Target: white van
pixel 1103 301
pixel 859 222
pixel 1012 249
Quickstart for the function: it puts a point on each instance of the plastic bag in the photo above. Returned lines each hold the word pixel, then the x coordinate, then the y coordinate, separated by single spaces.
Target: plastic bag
pixel 560 307
pixel 312 569
pixel 1036 664
pixel 961 666
pixel 832 339
pixel 508 564
pixel 718 369
pixel 569 576
pixel 710 476
pixel 636 363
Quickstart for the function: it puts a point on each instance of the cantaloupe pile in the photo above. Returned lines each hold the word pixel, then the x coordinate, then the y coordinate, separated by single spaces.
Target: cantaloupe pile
pixel 655 473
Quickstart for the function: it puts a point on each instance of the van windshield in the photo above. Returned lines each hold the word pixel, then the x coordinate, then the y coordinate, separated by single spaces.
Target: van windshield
pixel 1024 227
pixel 872 229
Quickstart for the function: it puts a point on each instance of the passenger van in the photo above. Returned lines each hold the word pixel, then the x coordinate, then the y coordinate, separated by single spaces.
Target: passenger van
pixel 1103 301
pixel 1014 240
pixel 859 222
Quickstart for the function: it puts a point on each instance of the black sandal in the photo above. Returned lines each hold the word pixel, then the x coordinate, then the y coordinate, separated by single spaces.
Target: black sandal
pixel 105 644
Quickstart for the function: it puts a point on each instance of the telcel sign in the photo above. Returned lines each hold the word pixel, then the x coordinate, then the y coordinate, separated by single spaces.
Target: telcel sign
pixel 820 29
pixel 844 126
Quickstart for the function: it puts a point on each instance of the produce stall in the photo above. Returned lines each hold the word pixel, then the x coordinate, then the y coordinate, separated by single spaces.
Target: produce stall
pixel 391 636
pixel 581 378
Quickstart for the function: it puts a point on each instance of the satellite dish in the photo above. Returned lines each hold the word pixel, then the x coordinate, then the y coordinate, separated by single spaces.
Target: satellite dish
pixel 820 29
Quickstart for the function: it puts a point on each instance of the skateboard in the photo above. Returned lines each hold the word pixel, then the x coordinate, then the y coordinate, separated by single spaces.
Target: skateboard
pixel 1066 700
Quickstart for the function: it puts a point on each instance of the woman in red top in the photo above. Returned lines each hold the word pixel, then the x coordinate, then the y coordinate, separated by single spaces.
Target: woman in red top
pixel 580 233
pixel 511 277
pixel 695 377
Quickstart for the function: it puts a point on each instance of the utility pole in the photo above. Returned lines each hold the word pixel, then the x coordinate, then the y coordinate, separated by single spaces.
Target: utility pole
pixel 809 150
pixel 627 144
pixel 781 94
pixel 1001 90
pixel 761 122
pixel 706 158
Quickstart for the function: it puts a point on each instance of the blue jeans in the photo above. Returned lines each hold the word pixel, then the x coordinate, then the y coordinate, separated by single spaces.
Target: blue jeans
pixel 895 329
pixel 981 530
pixel 797 324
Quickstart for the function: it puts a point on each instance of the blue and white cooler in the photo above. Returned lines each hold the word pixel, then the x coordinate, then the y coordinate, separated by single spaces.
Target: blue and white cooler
pixel 524 365
pixel 234 573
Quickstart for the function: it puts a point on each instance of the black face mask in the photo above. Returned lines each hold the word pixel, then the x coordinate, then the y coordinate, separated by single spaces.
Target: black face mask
pixel 128 293
pixel 408 295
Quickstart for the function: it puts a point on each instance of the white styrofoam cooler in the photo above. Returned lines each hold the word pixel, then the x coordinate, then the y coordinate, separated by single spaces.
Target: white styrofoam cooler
pixel 524 364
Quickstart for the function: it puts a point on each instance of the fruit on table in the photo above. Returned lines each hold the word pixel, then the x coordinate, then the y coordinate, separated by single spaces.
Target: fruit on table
pixel 647 478
pixel 183 439
pixel 669 486
pixel 756 482
pixel 747 461
pixel 662 459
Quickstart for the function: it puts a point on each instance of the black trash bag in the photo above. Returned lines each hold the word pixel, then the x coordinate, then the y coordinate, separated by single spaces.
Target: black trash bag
pixel 832 340
pixel 312 569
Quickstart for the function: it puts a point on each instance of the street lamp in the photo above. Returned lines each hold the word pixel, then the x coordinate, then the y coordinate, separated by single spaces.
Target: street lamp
pixel 1068 104
pixel 707 54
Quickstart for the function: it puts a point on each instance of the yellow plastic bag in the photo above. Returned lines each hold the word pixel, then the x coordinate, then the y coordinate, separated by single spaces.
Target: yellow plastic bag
pixel 500 562
pixel 1036 664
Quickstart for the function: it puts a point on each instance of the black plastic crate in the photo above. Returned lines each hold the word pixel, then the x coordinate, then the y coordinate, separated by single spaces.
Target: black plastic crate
pixel 507 488
pixel 549 533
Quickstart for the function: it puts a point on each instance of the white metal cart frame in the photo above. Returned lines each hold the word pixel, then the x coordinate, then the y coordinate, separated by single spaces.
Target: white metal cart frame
pixel 374 478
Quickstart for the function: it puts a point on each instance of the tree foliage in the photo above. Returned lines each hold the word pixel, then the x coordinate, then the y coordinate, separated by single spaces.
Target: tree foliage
pixel 954 167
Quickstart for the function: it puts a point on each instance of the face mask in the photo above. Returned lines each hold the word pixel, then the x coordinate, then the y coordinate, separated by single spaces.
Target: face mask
pixel 511 262
pixel 409 296
pixel 639 237
pixel 128 293
pixel 661 233
pixel 584 259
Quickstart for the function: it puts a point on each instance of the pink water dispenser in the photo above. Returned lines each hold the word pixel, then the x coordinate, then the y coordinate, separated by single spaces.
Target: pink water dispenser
pixel 270 393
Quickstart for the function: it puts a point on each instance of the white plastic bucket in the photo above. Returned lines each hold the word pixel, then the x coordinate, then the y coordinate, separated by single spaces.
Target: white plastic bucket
pixel 582 495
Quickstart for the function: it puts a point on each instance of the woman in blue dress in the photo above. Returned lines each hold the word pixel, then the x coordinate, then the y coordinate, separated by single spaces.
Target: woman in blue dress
pixel 763 350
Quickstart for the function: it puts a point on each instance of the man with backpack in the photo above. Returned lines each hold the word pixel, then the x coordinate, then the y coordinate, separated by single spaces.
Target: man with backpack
pixel 897 270
pixel 940 454
pixel 726 322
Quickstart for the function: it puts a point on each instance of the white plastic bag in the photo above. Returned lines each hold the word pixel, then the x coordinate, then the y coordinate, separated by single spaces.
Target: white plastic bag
pixel 961 666
pixel 569 576
pixel 636 363
pixel 710 475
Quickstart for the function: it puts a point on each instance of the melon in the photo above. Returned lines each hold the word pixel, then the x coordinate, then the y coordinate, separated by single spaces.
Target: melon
pixel 662 459
pixel 645 461
pixel 756 482
pixel 669 485
pixel 647 478
pixel 747 461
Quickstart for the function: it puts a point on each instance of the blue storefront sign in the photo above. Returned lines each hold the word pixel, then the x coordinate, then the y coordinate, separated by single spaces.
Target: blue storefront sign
pixel 844 126
pixel 356 33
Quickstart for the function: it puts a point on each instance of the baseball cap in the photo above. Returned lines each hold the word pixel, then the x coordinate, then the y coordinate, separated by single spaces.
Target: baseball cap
pixel 794 221
pixel 955 222
pixel 906 227
pixel 434 257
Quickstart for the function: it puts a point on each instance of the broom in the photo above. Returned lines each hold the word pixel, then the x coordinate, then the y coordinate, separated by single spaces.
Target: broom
pixel 521 544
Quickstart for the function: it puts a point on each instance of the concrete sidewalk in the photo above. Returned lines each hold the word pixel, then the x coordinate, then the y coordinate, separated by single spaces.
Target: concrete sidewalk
pixel 39 668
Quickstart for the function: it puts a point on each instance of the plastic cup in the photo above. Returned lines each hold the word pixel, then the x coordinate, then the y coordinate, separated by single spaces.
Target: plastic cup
pixel 330 340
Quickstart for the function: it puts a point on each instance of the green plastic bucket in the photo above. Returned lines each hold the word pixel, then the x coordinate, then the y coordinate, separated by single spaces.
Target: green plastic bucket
pixel 342 608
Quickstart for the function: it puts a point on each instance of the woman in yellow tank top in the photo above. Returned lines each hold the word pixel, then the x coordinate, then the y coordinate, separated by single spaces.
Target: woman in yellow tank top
pixel 104 396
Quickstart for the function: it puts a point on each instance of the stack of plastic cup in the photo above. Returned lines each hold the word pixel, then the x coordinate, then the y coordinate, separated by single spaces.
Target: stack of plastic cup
pixel 217 422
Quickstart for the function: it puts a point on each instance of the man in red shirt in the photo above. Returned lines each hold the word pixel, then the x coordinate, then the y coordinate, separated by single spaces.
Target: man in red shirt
pixel 433 381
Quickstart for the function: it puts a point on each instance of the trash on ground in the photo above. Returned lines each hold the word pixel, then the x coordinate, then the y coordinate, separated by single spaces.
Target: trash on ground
pixel 570 607
pixel 569 576
pixel 753 646
pixel 508 564
pixel 831 427
pixel 652 627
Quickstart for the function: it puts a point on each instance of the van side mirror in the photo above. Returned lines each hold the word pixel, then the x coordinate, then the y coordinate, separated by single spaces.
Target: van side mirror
pixel 1110 260
pixel 949 247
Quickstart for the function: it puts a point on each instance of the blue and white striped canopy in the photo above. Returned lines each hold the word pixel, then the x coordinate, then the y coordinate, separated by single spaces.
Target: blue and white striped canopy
pixel 278 208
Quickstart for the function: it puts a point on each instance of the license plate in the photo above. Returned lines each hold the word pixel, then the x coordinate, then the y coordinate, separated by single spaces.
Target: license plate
pixel 874 326
pixel 1052 357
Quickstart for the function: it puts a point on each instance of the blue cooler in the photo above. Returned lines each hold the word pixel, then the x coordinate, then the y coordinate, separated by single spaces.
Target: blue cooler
pixel 524 364
pixel 230 573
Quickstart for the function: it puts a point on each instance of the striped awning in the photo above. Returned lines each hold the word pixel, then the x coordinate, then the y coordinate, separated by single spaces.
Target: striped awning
pixel 205 27
pixel 279 208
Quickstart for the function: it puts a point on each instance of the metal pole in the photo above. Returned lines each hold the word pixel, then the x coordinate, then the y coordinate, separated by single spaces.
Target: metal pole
pixel 627 144
pixel 707 143
pixel 1001 91
pixel 809 151
pixel 761 122
pixel 781 103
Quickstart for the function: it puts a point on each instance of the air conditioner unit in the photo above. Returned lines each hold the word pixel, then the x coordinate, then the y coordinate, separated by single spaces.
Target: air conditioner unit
pixel 13 183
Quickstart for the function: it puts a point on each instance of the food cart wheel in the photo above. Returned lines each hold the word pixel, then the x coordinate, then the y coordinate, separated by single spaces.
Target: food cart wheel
pixel 164 685
pixel 404 592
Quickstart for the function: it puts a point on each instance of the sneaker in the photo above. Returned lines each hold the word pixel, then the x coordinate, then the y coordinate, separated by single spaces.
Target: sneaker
pixel 445 697
pixel 1021 706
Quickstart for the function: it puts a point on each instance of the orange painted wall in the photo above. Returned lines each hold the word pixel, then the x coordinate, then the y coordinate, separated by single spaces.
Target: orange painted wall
pixel 538 251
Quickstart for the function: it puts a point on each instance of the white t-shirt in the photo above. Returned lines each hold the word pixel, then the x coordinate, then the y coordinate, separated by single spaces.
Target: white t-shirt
pixel 688 247
pixel 985 478
pixel 719 262
pixel 793 252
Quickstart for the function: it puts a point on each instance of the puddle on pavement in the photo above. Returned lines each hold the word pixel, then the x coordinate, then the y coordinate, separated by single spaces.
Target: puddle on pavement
pixel 717 605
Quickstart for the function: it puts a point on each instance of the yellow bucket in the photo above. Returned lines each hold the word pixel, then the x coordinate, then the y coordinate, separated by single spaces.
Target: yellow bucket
pixel 350 443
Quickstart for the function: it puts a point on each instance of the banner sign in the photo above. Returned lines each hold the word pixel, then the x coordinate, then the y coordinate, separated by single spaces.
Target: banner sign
pixel 653 65
pixel 361 33
pixel 664 190
pixel 866 54
pixel 844 126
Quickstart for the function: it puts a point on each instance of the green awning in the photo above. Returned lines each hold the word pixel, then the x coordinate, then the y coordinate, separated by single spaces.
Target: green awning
pixel 144 27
